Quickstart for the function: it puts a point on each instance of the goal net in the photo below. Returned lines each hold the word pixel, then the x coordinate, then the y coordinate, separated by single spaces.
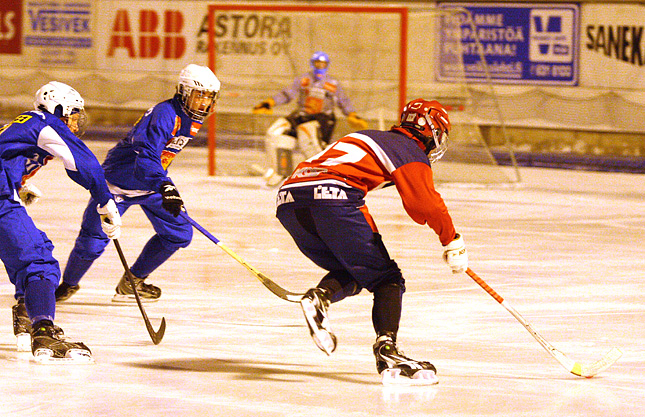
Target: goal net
pixel 382 56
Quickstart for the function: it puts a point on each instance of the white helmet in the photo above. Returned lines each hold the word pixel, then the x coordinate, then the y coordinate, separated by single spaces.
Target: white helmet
pixel 59 99
pixel 202 81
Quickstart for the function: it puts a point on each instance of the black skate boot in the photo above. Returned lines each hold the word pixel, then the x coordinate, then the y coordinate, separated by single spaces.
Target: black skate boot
pixel 395 368
pixel 147 292
pixel 64 291
pixel 49 345
pixel 21 326
pixel 314 305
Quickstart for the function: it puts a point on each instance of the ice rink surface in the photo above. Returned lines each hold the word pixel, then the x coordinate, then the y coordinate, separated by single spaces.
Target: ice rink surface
pixel 565 248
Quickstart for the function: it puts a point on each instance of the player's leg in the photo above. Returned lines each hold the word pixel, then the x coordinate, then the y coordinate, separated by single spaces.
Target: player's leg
pixel 354 239
pixel 299 224
pixel 327 123
pixel 28 253
pixel 309 140
pixel 172 234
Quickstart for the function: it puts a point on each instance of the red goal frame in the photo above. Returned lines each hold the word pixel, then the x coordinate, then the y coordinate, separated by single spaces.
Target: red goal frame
pixel 403 29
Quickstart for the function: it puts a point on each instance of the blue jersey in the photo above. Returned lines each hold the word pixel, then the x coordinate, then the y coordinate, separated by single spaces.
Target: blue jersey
pixel 138 164
pixel 34 138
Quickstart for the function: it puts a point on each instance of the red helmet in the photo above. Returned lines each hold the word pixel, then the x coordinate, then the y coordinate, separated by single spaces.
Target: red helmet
pixel 429 122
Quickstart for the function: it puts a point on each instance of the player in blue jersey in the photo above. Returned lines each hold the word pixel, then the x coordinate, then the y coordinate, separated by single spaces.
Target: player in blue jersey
pixel 136 170
pixel 310 126
pixel 26 144
pixel 322 206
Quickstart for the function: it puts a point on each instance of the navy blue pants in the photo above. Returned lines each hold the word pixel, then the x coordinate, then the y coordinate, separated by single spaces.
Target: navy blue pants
pixel 344 240
pixel 172 233
pixel 27 254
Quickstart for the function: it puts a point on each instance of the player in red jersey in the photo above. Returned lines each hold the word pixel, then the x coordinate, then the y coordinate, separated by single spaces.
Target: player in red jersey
pixel 321 205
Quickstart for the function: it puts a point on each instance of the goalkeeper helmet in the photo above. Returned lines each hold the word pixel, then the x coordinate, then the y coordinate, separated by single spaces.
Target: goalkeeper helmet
pixel 198 91
pixel 428 122
pixel 64 102
pixel 319 64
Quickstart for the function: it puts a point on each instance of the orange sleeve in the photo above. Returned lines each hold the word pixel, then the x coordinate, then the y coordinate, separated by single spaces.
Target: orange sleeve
pixel 421 201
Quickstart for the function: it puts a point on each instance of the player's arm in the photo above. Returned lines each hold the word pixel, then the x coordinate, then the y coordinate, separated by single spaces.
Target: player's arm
pixel 421 201
pixel 426 206
pixel 83 168
pixel 345 105
pixel 148 143
pixel 147 166
pixel 283 97
pixel 80 163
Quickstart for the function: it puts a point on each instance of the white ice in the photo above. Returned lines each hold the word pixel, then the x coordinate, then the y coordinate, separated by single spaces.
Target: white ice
pixel 565 249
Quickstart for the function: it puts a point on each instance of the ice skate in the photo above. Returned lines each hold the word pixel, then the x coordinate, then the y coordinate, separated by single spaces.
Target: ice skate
pixel 147 292
pixel 397 369
pixel 272 178
pixel 21 326
pixel 49 346
pixel 314 305
pixel 65 291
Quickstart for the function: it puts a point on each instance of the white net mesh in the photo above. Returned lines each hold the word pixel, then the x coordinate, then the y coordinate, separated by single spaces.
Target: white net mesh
pixel 369 68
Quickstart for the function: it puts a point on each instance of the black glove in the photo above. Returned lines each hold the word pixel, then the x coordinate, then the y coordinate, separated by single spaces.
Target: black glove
pixel 172 201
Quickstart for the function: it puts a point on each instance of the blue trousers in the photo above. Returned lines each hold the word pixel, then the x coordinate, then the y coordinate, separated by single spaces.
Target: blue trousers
pixel 172 233
pixel 344 240
pixel 27 254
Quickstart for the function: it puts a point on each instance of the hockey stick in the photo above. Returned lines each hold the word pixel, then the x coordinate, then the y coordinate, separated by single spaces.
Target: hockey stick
pixel 272 286
pixel 158 335
pixel 576 368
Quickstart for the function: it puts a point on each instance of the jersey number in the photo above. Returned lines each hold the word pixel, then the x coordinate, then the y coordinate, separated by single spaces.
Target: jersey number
pixel 352 154
pixel 20 119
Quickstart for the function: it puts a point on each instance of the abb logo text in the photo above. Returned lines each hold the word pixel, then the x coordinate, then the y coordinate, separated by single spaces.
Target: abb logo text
pixel 148 42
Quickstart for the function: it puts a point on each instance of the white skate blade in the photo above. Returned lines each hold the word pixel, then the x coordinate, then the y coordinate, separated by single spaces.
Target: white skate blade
pixel 130 298
pixel 45 356
pixel 257 170
pixel 322 338
pixel 23 342
pixel 393 376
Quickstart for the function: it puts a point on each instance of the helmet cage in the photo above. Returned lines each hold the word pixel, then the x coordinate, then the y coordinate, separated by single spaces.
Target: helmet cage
pixel 190 97
pixel 440 139
pixel 78 125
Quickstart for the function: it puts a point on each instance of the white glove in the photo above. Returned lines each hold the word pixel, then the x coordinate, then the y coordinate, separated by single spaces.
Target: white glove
pixel 455 255
pixel 110 219
pixel 29 194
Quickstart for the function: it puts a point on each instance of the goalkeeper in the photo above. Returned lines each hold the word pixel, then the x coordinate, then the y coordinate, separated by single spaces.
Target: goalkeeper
pixel 311 125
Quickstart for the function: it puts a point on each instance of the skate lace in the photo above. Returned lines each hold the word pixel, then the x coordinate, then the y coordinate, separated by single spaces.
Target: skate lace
pixel 143 286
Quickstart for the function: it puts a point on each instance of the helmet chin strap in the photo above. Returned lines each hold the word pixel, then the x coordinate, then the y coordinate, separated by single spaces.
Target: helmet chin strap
pixel 427 141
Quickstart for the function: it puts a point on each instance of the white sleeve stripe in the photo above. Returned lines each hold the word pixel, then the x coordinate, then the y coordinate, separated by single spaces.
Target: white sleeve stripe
pixel 51 141
pixel 380 153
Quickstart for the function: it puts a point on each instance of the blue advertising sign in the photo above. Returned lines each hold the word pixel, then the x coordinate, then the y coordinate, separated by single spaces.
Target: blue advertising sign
pixel 532 43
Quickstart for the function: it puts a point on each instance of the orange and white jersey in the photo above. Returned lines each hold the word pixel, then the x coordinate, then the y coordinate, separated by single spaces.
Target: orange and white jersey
pixel 367 160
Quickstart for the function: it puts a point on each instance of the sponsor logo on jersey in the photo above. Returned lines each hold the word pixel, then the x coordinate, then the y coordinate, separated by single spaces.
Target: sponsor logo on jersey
pixel 194 128
pixel 177 125
pixel 326 192
pixel 177 143
pixel 330 87
pixel 308 172
pixel 171 150
pixel 283 197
